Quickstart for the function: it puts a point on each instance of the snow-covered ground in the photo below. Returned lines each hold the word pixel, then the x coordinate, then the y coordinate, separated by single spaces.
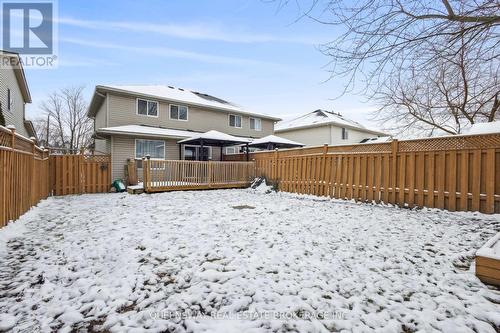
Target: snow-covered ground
pixel 242 261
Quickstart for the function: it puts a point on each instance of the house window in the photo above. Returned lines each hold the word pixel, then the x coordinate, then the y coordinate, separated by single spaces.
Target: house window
pixel 178 112
pixel 9 100
pixel 153 148
pixel 230 150
pixel 147 108
pixel 345 134
pixel 234 120
pixel 255 124
pixel 194 153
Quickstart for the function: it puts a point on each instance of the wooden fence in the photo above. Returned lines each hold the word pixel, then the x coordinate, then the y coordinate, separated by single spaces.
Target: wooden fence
pixel 455 173
pixel 24 169
pixel 163 175
pixel 77 174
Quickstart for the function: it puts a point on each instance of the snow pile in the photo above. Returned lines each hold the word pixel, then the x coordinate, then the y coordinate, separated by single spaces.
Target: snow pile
pixel 259 185
pixel 485 128
pixel 172 262
pixel 491 249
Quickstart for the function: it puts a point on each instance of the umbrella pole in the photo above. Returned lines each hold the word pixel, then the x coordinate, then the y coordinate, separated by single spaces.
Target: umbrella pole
pixel 248 152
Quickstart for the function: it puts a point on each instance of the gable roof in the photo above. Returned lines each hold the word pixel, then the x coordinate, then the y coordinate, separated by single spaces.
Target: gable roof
pixel 321 118
pixel 214 137
pixel 17 66
pixel 273 139
pixel 171 94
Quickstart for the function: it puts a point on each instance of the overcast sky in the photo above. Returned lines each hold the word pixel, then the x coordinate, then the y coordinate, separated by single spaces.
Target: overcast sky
pixel 248 52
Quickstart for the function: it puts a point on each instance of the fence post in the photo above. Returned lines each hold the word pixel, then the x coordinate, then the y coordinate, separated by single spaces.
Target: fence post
pixel 81 171
pixel 33 195
pixel 275 166
pixel 394 153
pixel 323 169
pixel 12 129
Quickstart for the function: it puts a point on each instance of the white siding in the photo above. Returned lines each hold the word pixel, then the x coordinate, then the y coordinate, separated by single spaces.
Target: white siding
pixel 317 136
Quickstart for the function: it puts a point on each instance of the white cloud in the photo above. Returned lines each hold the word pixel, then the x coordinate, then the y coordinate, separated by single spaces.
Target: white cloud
pixel 187 31
pixel 167 52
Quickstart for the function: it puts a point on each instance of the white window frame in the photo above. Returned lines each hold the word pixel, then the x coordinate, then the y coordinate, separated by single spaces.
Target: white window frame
pixel 234 151
pixel 235 115
pixel 254 120
pixel 178 105
pixel 157 159
pixel 209 151
pixel 147 107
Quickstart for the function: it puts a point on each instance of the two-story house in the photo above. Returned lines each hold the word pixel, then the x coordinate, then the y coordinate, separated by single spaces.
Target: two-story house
pixel 134 121
pixel 14 94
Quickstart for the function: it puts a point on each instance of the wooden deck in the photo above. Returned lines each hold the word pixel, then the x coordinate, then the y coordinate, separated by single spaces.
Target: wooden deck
pixel 163 176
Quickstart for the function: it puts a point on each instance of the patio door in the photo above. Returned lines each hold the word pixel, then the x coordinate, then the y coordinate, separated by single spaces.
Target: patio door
pixel 193 153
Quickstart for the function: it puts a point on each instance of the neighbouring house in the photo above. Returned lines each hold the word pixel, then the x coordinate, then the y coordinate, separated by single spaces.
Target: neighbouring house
pixel 134 121
pixel 14 94
pixel 321 126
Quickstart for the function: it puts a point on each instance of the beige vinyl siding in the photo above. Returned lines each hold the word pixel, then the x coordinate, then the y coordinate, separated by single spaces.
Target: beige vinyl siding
pixel 172 150
pixel 122 111
pixel 123 148
pixel 103 146
pixel 100 117
pixel 16 115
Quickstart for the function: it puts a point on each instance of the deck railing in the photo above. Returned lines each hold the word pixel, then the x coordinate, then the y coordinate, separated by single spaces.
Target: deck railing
pixel 163 175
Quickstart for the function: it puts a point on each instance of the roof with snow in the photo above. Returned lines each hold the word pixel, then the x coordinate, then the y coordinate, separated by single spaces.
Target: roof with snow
pixel 275 141
pixel 149 131
pixel 320 118
pixel 172 94
pixel 215 138
pixel 484 128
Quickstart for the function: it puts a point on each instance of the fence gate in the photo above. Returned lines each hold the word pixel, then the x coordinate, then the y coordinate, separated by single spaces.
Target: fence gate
pixel 76 174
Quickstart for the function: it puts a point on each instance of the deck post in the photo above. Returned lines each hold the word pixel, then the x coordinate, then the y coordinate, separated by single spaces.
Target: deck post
pixel 221 154
pixel 248 152
pixel 200 153
pixel 209 173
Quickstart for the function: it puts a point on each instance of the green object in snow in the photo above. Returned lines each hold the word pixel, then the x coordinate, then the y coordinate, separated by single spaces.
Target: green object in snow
pixel 118 185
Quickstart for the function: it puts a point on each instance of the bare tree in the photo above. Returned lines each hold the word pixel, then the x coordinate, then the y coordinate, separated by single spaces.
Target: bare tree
pixel 386 46
pixel 69 125
pixel 457 91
